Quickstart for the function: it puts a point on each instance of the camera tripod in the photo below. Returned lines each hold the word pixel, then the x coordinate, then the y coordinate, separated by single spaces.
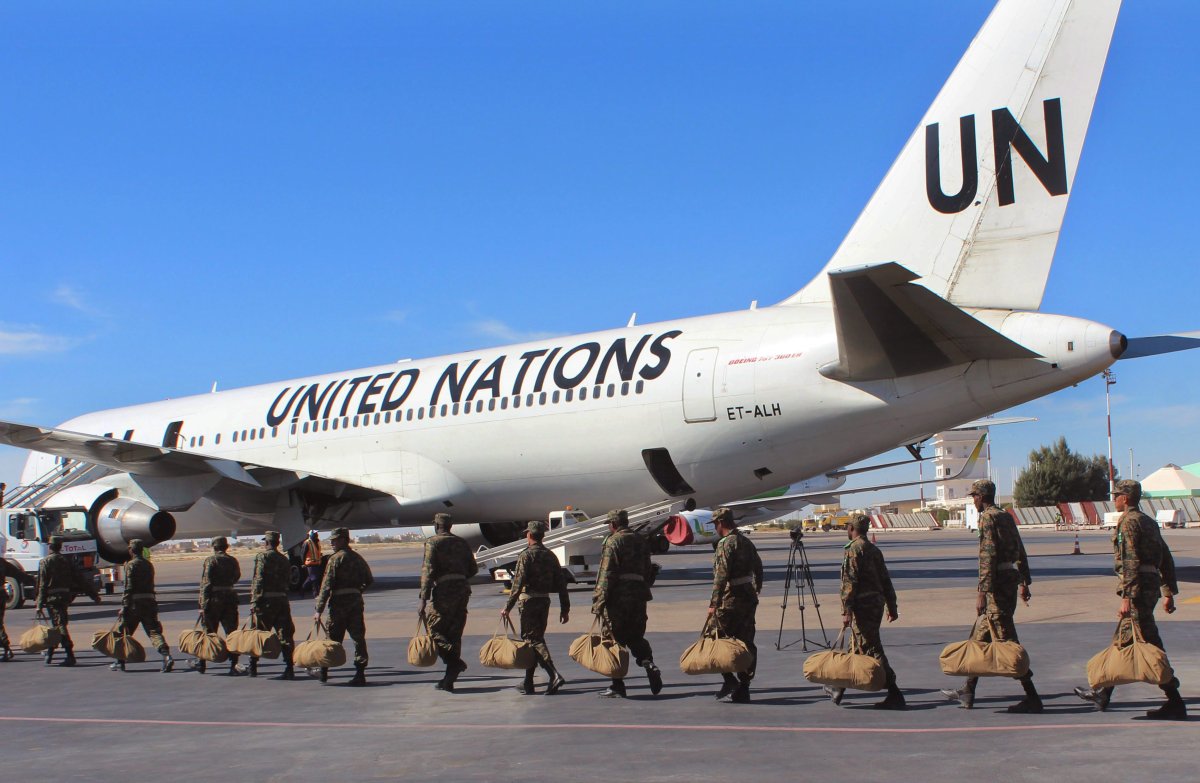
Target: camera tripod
pixel 799 579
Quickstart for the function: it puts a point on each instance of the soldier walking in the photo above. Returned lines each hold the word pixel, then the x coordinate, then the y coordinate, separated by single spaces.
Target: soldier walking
pixel 866 592
pixel 1003 569
pixel 737 581
pixel 347 575
pixel 1144 568
pixel 445 577
pixel 139 604
pixel 622 591
pixel 218 599
pixel 270 609
pixel 538 574
pixel 7 570
pixel 57 582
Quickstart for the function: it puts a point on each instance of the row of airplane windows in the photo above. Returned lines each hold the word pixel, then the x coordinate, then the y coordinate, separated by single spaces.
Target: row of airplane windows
pixel 432 412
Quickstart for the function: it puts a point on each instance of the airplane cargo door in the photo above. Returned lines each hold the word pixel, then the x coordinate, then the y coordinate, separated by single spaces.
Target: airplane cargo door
pixel 698 378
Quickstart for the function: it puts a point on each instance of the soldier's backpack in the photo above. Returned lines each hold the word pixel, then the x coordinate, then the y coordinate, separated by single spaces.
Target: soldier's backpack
pixel 715 653
pixel 506 652
pixel 319 653
pixel 203 645
pixel 600 654
pixel 838 667
pixel 1136 661
pixel 971 658
pixel 421 649
pixel 40 638
pixel 255 643
pixel 116 643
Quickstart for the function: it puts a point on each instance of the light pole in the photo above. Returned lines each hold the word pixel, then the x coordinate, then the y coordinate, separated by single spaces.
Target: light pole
pixel 1109 380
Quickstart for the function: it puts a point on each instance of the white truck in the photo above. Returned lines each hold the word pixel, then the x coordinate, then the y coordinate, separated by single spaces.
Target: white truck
pixel 26 536
pixel 579 559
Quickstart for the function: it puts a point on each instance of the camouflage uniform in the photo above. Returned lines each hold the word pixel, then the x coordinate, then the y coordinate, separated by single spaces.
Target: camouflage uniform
pixel 622 591
pixel 538 574
pixel 139 605
pixel 271 610
pixel 347 575
pixel 737 581
pixel 866 592
pixel 7 569
pixel 218 599
pixel 445 577
pixel 57 582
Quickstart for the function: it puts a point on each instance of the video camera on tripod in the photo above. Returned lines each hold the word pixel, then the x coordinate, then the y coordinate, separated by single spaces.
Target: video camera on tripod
pixel 799 578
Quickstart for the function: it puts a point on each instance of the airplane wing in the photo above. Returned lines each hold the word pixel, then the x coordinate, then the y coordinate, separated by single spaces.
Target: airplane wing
pixel 820 497
pixel 1163 343
pixel 889 327
pixel 994 421
pixel 121 455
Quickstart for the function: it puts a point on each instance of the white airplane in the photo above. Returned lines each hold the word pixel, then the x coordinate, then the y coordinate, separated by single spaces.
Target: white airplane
pixel 924 318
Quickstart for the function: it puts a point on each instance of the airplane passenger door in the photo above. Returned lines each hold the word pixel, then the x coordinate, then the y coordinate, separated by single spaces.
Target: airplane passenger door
pixel 698 378
pixel 293 437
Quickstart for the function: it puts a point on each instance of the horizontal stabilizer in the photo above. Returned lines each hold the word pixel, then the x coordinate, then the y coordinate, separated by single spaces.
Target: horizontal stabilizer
pixel 1159 344
pixel 887 327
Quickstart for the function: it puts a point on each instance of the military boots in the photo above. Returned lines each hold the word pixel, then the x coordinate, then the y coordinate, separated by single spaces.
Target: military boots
pixel 360 675
pixel 965 696
pixel 1032 703
pixel 253 667
pixel 741 694
pixel 7 654
pixel 289 672
pixel 526 687
pixel 614 691
pixel 234 671
pixel 556 679
pixel 117 666
pixel 168 663
pixel 655 676
pixel 835 694
pixel 198 665
pixel 728 686
pixel 48 656
pixel 895 698
pixel 452 671
pixel 69 660
pixel 1100 697
pixel 1174 709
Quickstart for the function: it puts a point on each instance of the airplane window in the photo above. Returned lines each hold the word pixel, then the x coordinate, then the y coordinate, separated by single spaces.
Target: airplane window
pixel 583 393
pixel 335 424
pixel 478 406
pixel 410 414
pixel 570 395
pixel 554 397
pixel 625 389
pixel 345 422
pixel 443 411
pixel 354 421
pixel 529 400
pixel 492 404
pixel 420 413
pixel 387 417
pixel 468 406
pixel 516 401
pixel 503 403
pixel 192 443
pixel 201 441
pixel 454 410
pixel 596 393
pixel 612 389
pixel 641 385
pixel 217 439
pixel 243 435
pixel 235 437
pixel 377 418
pixel 262 432
pixel 304 429
pixel 251 434
pixel 325 425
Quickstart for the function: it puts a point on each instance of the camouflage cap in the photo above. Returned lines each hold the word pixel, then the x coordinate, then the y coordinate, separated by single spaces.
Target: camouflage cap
pixel 340 532
pixel 723 516
pixel 983 487
pixel 272 536
pixel 618 517
pixel 137 545
pixel 220 542
pixel 441 520
pixel 1128 487
pixel 536 527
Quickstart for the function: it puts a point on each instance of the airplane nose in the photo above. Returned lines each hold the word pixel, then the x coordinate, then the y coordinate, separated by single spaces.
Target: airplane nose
pixel 1117 343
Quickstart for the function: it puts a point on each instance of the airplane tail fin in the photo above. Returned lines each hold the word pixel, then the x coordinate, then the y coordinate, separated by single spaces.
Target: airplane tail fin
pixel 974 203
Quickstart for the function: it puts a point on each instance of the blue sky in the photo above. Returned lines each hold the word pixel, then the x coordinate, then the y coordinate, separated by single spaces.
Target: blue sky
pixel 243 193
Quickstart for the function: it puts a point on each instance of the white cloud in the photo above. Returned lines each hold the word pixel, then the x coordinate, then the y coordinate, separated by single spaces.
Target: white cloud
pixel 22 341
pixel 396 316
pixel 494 328
pixel 67 296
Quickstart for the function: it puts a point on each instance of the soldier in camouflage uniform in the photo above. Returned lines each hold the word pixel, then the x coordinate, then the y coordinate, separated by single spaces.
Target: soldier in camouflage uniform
pixel 866 592
pixel 1144 568
pixel 737 581
pixel 7 570
pixel 622 590
pixel 347 575
pixel 446 578
pixel 139 604
pixel 1003 570
pixel 57 582
pixel 270 610
pixel 218 599
pixel 538 574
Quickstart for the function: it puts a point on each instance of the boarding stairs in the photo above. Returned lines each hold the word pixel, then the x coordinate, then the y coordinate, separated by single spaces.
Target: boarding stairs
pixel 646 517
pixel 55 480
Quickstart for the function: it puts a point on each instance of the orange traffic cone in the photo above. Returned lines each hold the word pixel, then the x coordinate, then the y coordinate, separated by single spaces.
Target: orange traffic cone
pixel 1077 549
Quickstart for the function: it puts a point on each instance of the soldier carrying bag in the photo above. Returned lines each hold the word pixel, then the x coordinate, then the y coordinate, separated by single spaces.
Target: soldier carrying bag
pixel 841 668
pixel 1137 661
pixel 421 649
pixel 600 654
pixel 319 653
pixel 40 638
pixel 201 644
pixel 118 644
pixel 714 653
pixel 506 652
pixel 971 658
pixel 255 643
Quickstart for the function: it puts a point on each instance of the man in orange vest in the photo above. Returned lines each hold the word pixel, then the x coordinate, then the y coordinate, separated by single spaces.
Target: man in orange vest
pixel 312 562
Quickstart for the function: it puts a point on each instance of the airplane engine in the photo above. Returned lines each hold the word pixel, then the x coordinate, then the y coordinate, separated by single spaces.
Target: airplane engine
pixel 121 520
pixel 690 527
pixel 493 534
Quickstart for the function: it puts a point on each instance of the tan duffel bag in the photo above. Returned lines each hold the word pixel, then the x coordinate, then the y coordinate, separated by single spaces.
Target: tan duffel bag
pixel 319 653
pixel 421 649
pixel 595 652
pixel 970 658
pixel 189 640
pixel 1137 661
pixel 841 668
pixel 40 638
pixel 715 653
pixel 253 642
pixel 506 652
pixel 203 645
pixel 118 644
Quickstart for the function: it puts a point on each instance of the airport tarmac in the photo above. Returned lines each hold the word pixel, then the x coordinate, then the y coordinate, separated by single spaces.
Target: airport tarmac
pixel 89 722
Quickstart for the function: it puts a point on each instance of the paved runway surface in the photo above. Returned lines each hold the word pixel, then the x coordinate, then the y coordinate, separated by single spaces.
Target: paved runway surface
pixel 88 723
